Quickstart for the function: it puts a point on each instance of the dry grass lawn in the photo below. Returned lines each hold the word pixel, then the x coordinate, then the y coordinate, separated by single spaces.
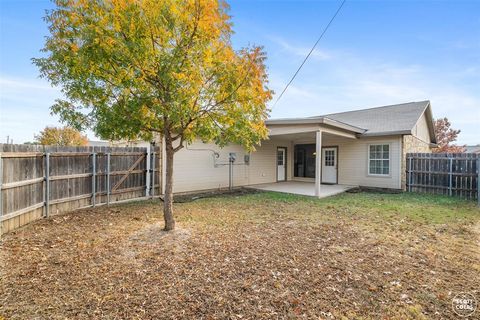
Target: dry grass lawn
pixel 255 256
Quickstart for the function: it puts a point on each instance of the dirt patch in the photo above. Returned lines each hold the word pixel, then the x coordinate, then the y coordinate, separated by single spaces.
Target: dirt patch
pixel 189 197
pixel 155 235
pixel 149 240
pixel 374 190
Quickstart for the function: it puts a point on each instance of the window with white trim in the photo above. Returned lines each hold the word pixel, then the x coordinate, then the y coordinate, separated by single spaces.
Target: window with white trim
pixel 379 159
pixel 329 158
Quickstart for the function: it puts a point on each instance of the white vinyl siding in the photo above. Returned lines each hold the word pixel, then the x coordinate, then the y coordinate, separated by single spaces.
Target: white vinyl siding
pixel 379 159
pixel 353 161
pixel 195 170
pixel 420 131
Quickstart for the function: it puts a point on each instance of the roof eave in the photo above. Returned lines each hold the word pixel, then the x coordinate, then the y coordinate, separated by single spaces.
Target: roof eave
pixel 291 121
pixel 431 128
pixel 386 133
pixel 319 120
pixel 342 125
pixel 428 111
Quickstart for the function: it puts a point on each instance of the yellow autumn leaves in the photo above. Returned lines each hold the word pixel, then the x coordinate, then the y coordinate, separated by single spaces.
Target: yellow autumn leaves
pixel 133 67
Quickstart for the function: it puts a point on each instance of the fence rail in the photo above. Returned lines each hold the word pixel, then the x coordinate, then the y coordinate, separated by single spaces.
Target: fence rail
pixel 36 181
pixel 452 174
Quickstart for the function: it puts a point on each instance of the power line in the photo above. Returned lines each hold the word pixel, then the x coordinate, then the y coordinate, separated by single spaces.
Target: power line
pixel 308 55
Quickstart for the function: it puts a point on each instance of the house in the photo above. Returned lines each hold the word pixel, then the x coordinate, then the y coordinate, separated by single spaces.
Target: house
pixel 357 148
pixel 131 143
pixel 98 143
pixel 472 149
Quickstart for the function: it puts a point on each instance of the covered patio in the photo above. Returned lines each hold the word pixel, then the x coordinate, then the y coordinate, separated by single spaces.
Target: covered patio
pixel 303 188
pixel 307 155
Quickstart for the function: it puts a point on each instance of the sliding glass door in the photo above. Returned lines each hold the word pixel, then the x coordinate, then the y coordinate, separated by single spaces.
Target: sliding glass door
pixel 304 161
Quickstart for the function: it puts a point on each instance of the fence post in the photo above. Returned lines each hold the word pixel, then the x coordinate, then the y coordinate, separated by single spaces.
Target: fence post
pixel 410 174
pixel 108 178
pixel 450 169
pixel 47 184
pixel 147 171
pixel 94 177
pixel 1 199
pixel 478 181
pixel 153 174
pixel 44 184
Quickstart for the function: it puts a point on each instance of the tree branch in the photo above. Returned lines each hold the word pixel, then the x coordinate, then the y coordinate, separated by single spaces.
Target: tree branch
pixel 180 145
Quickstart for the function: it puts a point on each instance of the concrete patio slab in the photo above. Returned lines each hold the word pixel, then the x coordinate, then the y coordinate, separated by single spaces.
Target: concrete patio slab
pixel 303 188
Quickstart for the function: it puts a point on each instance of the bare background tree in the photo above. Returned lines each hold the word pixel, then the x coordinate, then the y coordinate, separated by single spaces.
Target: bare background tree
pixel 446 136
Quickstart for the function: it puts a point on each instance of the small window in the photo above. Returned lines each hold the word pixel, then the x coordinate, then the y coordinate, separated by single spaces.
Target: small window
pixel 329 158
pixel 379 159
pixel 280 157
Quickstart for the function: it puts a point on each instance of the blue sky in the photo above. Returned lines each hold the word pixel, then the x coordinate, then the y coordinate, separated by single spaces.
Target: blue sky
pixel 375 53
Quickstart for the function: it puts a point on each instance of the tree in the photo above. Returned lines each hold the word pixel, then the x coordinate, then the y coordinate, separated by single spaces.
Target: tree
pixel 446 136
pixel 130 69
pixel 61 137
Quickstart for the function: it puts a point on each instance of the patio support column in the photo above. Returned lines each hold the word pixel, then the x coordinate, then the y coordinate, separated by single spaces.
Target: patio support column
pixel 318 162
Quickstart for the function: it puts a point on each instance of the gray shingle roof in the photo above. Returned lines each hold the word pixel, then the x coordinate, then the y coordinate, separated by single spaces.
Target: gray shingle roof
pixel 379 121
pixel 383 120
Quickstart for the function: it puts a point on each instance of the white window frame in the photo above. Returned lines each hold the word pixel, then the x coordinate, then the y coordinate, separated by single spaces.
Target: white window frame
pixel 389 160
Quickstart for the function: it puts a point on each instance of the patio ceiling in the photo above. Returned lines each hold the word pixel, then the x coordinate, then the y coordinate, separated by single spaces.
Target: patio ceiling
pixel 306 137
pixel 308 131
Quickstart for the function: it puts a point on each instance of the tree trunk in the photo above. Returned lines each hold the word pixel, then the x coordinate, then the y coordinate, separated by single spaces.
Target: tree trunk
pixel 168 196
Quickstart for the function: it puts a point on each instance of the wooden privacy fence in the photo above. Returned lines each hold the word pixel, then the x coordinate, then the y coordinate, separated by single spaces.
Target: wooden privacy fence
pixel 37 181
pixel 453 174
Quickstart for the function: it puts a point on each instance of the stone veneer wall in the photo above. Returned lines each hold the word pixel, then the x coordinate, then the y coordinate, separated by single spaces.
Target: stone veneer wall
pixel 411 144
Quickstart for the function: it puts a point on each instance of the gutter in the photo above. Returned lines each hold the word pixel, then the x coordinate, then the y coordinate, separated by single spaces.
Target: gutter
pixel 386 133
